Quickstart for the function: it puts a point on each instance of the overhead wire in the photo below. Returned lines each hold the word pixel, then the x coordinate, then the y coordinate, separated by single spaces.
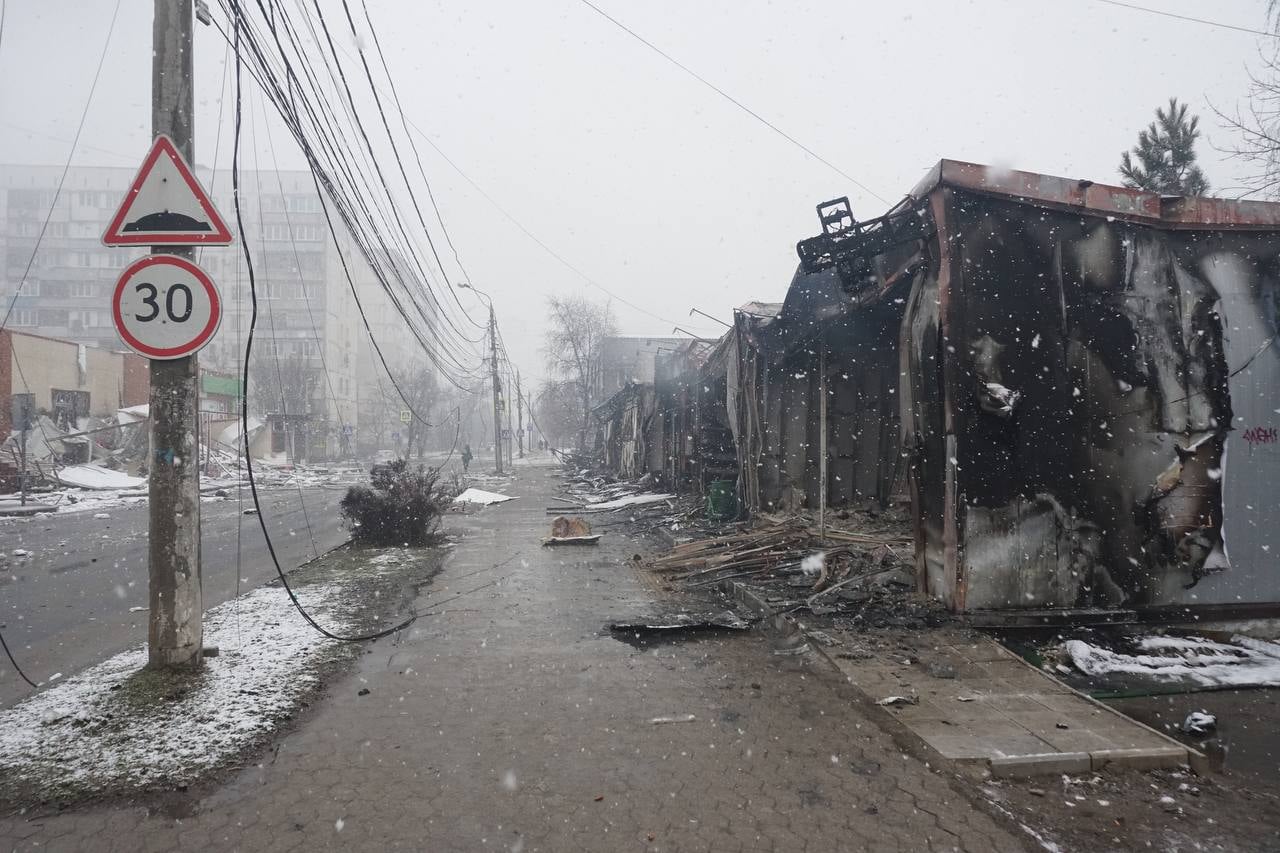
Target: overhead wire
pixel 271 321
pixel 66 167
pixel 528 233
pixel 350 202
pixel 377 168
pixel 731 99
pixel 35 250
pixel 1189 18
pixel 244 409
pixel 395 150
pixel 411 125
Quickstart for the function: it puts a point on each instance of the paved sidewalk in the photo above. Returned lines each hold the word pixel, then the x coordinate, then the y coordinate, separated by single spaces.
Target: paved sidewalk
pixel 975 702
pixel 510 720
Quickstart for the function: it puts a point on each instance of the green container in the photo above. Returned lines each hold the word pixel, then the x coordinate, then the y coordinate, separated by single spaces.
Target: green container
pixel 722 501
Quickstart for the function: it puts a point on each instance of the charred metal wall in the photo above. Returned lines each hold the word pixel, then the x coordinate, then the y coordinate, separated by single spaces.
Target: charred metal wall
pixel 1083 394
pixel 863 410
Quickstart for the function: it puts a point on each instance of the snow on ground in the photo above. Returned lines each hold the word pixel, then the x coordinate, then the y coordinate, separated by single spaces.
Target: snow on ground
pixel 1244 662
pixel 97 477
pixel 81 500
pixel 107 730
pixel 481 497
pixel 631 500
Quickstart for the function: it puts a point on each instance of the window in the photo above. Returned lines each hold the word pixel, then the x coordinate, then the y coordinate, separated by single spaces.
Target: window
pixel 84 289
pixel 275 232
pixel 308 232
pixel 83 319
pixel 304 204
pixel 26 317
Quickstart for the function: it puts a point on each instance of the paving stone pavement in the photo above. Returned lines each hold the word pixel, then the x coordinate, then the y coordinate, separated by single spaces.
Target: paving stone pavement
pixel 511 720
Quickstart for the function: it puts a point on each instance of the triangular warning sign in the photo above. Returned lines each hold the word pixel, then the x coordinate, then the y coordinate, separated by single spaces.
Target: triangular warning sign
pixel 166 206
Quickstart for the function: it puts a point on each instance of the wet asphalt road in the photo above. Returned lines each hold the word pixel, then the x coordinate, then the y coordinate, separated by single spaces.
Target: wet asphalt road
pixel 69 603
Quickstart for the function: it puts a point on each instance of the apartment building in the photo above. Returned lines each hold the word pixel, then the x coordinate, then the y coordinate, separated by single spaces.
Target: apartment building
pixel 307 322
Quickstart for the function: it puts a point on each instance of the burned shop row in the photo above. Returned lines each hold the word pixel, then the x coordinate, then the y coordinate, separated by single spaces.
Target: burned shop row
pixel 1075 388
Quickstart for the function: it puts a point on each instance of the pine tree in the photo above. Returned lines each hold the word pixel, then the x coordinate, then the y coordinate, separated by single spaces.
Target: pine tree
pixel 1164 160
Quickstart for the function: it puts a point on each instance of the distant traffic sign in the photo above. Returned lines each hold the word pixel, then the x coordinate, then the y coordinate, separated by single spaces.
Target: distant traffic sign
pixel 405 416
pixel 166 206
pixel 165 307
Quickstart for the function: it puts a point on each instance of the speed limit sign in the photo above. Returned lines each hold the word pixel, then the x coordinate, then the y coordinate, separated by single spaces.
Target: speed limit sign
pixel 165 307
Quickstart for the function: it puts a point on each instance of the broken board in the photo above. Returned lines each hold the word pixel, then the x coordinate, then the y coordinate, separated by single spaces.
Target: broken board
pixel 571 540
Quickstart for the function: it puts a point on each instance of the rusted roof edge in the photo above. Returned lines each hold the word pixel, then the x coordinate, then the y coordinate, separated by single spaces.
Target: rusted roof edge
pixel 1100 199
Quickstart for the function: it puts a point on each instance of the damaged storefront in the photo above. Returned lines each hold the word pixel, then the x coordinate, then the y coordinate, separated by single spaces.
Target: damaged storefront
pixel 1086 381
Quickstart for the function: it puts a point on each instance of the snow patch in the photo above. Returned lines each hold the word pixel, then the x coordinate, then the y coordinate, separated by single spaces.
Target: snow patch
pixel 631 500
pixel 481 497
pixel 97 477
pixel 97 731
pixel 1244 662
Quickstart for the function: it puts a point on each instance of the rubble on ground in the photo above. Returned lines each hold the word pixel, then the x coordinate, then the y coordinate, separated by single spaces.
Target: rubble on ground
pixel 858 570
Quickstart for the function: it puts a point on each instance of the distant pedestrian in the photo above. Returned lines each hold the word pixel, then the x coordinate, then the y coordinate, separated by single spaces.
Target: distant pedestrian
pixel 466 457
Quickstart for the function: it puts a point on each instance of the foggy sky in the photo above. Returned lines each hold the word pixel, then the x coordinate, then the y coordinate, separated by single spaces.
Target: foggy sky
pixel 640 176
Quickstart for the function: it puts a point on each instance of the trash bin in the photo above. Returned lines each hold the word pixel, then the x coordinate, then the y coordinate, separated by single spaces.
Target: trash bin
pixel 722 500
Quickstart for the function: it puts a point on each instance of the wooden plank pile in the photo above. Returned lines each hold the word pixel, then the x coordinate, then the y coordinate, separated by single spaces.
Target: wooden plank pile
pixel 782 548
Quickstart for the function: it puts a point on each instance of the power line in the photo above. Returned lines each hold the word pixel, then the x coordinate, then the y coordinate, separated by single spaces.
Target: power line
pixel 65 168
pixel 739 104
pixel 349 200
pixel 395 150
pixel 244 387
pixel 16 668
pixel 516 222
pixel 414 146
pixel 1189 18
pixel 353 203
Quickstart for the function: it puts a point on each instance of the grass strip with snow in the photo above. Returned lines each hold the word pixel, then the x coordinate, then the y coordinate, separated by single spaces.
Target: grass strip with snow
pixel 117 728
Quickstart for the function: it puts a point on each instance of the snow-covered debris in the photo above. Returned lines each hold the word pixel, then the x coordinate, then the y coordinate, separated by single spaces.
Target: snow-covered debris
pixel 101 730
pixel 813 564
pixel 97 477
pixel 1244 662
pixel 481 497
pixel 1199 723
pixel 631 500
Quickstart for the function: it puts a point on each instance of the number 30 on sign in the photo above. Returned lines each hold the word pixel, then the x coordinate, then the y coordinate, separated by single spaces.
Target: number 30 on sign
pixel 165 307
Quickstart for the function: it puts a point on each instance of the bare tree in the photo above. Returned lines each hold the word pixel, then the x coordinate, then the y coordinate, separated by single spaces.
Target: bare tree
pixel 418 385
pixel 558 411
pixel 578 327
pixel 284 384
pixel 281 388
pixel 1257 125
pixel 1257 128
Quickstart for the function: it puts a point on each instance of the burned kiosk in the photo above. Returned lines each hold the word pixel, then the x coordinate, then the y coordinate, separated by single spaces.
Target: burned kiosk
pixel 1087 388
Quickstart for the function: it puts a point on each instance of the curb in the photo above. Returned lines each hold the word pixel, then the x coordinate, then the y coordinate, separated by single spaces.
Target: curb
pixel 794 634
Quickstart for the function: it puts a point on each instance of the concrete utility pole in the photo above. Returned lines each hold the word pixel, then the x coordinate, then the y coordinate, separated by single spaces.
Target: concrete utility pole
pixel 174 632
pixel 520 414
pixel 497 390
pixel 510 438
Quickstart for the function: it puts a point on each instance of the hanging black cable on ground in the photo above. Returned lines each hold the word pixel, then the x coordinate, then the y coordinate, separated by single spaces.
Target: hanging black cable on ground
pixel 14 663
pixel 244 384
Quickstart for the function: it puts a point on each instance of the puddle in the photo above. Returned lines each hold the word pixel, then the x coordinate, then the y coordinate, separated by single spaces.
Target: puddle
pixel 1246 741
